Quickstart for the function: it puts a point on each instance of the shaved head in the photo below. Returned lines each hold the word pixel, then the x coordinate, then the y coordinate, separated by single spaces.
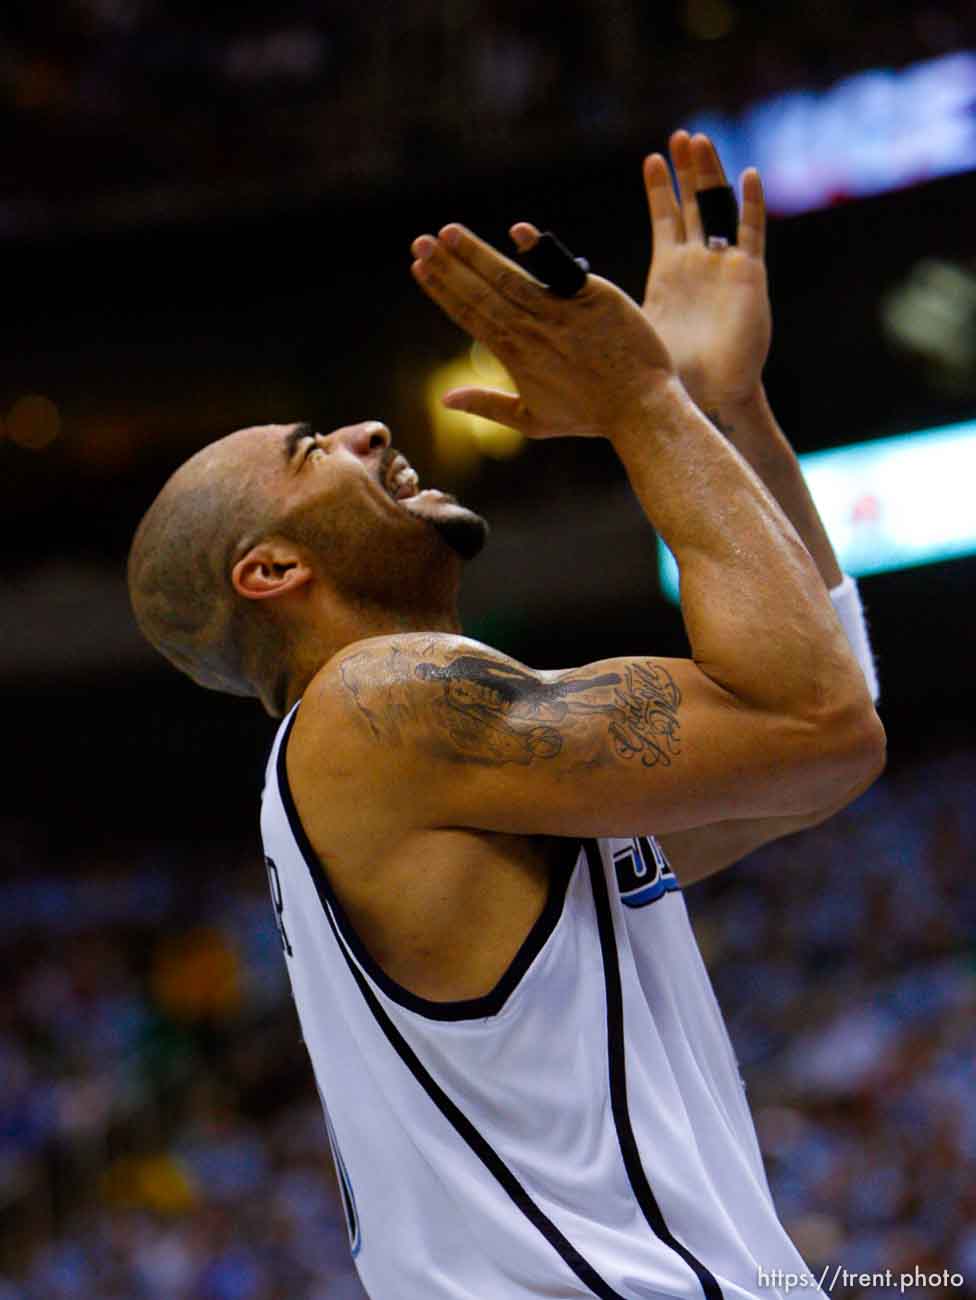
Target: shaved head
pixel 207 514
pixel 333 524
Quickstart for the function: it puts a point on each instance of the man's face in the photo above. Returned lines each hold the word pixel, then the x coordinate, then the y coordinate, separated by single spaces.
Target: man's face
pixel 355 501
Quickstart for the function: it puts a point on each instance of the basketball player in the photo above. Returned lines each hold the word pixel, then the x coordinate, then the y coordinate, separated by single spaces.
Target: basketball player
pixel 476 866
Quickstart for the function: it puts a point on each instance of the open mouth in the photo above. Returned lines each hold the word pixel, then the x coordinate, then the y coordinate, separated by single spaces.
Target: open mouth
pixel 402 481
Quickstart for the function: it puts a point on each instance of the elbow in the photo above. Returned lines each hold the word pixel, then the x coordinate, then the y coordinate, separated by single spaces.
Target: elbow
pixel 824 754
pixel 852 750
pixel 867 747
pixel 875 746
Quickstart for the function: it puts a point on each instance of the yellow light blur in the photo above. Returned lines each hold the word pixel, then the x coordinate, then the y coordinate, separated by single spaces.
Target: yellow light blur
pixel 461 439
pixel 33 422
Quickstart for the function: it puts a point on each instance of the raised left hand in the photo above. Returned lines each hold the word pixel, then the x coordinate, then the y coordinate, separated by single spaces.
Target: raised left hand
pixel 584 367
pixel 710 308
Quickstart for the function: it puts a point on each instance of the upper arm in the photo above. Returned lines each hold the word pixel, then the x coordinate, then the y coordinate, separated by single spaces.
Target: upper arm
pixel 434 730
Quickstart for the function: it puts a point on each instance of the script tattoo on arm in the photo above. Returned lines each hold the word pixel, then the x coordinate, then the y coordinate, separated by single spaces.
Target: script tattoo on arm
pixel 648 720
pixel 494 711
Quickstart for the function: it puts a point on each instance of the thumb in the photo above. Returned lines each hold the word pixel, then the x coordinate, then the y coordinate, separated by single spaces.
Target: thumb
pixel 490 404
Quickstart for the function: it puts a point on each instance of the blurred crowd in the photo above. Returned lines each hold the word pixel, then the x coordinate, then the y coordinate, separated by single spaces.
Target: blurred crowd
pixel 160 1134
pixel 129 110
pixel 845 962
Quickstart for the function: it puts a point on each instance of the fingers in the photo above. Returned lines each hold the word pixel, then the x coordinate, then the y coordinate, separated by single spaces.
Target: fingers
pixel 707 165
pixel 684 169
pixel 667 225
pixel 524 235
pixel 490 404
pixel 505 276
pixel 752 215
pixel 698 167
pixel 478 305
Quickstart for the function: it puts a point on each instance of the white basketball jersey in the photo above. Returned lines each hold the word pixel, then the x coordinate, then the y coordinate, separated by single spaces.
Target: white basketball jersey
pixel 579 1131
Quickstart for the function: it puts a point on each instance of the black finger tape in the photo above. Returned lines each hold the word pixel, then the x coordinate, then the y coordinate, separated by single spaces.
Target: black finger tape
pixel 551 262
pixel 719 212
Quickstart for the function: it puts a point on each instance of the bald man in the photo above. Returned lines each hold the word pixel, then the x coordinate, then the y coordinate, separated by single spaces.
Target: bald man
pixel 236 528
pixel 476 866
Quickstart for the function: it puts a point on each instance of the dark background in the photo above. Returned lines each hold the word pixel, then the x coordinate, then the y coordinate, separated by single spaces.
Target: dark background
pixel 205 218
pixel 188 252
pixel 153 342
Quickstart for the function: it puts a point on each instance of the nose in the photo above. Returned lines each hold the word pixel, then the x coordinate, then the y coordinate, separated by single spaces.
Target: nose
pixel 362 439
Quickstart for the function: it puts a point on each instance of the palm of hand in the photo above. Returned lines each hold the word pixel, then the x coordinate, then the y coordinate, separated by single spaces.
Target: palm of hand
pixel 568 386
pixel 711 311
pixel 710 307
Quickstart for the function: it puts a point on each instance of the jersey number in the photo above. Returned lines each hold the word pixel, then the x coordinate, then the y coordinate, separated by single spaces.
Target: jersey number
pixel 345 1186
pixel 643 872
pixel 279 904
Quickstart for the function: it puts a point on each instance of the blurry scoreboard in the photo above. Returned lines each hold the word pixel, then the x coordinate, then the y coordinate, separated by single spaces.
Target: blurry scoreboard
pixel 892 503
pixel 879 130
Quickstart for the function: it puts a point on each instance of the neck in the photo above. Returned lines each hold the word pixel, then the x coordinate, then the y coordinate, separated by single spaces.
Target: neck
pixel 322 641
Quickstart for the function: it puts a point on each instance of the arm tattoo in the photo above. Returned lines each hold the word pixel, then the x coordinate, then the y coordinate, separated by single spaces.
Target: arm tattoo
pixel 393 674
pixel 505 709
pixel 494 711
pixel 648 724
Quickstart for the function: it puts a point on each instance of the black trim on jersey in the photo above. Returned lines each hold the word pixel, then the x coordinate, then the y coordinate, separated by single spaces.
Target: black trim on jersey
pixel 618 1079
pixel 490 1004
pixel 451 1112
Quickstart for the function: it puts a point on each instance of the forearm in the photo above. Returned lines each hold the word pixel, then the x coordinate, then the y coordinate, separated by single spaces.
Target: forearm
pixel 753 429
pixel 700 852
pixel 755 432
pixel 696 854
pixel 754 602
pixel 703 850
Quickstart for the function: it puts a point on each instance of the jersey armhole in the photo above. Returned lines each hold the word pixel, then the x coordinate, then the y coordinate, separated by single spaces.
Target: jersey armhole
pixel 480 1008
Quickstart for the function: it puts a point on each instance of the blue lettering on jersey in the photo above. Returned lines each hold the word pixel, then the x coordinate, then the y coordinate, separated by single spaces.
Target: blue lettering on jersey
pixel 643 872
pixel 345 1187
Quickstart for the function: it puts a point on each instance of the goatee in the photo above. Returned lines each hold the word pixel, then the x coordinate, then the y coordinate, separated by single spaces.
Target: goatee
pixel 464 531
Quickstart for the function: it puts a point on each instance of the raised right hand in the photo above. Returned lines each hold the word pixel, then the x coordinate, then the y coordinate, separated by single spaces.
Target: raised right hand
pixel 710 308
pixel 583 366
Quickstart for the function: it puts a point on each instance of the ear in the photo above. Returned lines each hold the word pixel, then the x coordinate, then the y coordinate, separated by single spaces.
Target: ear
pixel 271 568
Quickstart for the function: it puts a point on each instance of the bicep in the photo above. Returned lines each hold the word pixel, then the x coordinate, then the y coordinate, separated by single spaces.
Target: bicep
pixel 465 736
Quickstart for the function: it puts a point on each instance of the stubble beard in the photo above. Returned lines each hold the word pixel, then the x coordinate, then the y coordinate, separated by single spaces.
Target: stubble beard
pixel 462 529
pixel 416 571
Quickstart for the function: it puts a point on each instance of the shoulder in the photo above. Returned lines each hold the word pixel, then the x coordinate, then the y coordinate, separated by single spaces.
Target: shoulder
pixel 391 726
pixel 394 706
pixel 376 689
